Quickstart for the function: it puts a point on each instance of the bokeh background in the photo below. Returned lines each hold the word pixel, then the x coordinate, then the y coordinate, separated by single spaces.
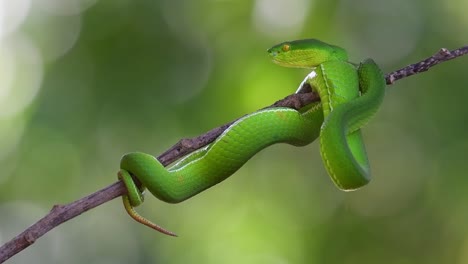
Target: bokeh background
pixel 84 81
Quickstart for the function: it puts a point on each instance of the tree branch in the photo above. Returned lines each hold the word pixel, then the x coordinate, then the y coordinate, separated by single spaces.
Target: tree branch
pixel 62 213
pixel 442 55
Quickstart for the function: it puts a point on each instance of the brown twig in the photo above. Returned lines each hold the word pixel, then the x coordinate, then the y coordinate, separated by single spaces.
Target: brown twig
pixel 62 213
pixel 442 55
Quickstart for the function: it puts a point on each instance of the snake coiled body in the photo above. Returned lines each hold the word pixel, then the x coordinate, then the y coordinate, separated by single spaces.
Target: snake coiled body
pixel 350 95
pixel 232 149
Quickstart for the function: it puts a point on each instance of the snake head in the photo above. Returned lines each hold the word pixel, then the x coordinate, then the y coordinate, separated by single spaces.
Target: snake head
pixel 305 53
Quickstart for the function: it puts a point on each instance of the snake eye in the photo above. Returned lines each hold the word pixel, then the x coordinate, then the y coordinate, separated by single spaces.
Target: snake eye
pixel 286 47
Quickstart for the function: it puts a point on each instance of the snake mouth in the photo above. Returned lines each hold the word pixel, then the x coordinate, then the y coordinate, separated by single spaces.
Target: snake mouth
pixel 284 62
pixel 272 53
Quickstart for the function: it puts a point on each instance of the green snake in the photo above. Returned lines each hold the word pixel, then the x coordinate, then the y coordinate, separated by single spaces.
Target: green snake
pixel 350 94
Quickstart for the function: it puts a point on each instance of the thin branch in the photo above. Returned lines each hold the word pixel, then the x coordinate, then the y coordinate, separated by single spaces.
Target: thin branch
pixel 62 213
pixel 442 55
pixel 58 215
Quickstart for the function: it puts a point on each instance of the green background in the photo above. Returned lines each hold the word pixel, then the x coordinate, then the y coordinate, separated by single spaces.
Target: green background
pixel 83 82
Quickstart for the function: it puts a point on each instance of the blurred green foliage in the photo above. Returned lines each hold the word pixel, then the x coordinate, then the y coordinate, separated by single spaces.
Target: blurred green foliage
pixel 91 80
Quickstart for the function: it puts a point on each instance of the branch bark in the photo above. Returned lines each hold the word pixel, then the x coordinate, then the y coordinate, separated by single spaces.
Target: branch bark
pixel 62 213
